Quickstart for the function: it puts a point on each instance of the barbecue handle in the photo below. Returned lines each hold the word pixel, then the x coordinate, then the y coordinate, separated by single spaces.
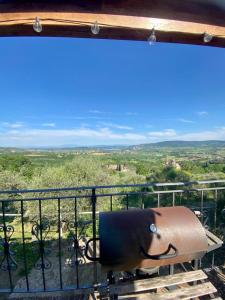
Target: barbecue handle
pixel 86 250
pixel 163 255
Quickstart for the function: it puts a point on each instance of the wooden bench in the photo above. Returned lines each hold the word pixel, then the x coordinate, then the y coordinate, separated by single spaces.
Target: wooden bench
pixel 187 285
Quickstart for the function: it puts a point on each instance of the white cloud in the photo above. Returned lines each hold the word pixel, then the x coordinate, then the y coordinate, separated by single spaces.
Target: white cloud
pixel 116 126
pixel 96 111
pixel 186 121
pixel 88 118
pixel 87 136
pixel 162 134
pixel 81 136
pixel 13 125
pixel 48 124
pixel 129 113
pixel 202 113
pixel 216 134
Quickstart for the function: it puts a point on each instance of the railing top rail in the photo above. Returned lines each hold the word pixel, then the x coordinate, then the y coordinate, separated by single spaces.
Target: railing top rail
pixel 102 195
pixel 89 188
pixel 97 195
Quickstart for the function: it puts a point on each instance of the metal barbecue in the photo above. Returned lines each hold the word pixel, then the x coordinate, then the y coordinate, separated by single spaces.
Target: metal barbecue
pixel 149 238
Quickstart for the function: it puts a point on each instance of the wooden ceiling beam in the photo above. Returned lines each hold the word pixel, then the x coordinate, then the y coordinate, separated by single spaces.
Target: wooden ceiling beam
pixel 174 21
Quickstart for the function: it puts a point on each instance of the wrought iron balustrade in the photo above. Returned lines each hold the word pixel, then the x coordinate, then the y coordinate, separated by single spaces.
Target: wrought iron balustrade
pixel 43 232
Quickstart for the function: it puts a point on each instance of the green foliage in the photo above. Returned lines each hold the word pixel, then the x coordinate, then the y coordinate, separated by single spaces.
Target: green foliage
pixel 14 163
pixel 172 174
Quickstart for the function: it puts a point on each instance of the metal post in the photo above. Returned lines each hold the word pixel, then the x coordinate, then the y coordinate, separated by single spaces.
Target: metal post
pixel 59 243
pixel 202 206
pixel 6 246
pixel 41 245
pixel 127 202
pixel 171 270
pixel 76 242
pixel 93 201
pixel 215 208
pixel 196 264
pixel 24 247
pixel 111 206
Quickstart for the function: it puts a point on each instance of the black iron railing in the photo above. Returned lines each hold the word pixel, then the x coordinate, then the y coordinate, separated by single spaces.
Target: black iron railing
pixel 43 232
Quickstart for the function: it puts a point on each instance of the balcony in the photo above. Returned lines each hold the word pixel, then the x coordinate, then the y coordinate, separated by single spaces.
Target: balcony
pixel 43 233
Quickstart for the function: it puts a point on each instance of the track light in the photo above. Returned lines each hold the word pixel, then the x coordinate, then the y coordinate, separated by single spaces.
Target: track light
pixel 207 37
pixel 152 38
pixel 37 25
pixel 95 28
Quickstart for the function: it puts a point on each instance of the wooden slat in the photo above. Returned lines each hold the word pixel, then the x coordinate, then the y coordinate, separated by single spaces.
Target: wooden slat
pixel 213 237
pixel 187 293
pixel 183 293
pixel 155 283
pixel 213 241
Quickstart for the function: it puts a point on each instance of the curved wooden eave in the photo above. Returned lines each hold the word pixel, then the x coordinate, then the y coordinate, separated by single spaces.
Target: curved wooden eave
pixel 174 20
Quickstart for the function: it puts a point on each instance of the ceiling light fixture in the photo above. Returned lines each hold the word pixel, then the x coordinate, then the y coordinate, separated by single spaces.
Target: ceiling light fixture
pixel 95 28
pixel 207 38
pixel 152 38
pixel 37 25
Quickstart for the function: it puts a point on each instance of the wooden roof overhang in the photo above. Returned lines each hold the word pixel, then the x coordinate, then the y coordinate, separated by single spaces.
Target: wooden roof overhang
pixel 178 21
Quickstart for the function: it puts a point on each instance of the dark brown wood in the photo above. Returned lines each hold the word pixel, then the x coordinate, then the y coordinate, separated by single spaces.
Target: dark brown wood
pixel 174 20
pixel 156 283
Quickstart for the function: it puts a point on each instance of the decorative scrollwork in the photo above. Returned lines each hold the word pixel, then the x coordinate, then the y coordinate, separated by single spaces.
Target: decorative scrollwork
pixel 77 232
pixel 40 231
pixel 7 262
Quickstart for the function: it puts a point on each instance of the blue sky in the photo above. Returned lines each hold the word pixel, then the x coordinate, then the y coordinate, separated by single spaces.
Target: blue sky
pixel 56 91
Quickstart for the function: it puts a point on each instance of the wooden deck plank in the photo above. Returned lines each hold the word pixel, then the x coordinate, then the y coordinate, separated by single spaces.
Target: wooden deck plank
pixel 155 283
pixel 183 293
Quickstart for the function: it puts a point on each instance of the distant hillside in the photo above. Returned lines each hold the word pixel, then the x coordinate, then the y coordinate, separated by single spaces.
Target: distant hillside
pixel 112 148
pixel 180 144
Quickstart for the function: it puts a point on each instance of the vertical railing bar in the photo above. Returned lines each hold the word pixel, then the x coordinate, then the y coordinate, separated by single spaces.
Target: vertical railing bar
pixel 142 202
pixel 187 198
pixel 24 247
pixel 76 237
pixel 60 246
pixel 202 206
pixel 41 245
pixel 127 202
pixel 93 198
pixel 158 200
pixel 6 242
pixel 215 208
pixel 173 199
pixel 111 206
pixel 213 260
pixel 215 223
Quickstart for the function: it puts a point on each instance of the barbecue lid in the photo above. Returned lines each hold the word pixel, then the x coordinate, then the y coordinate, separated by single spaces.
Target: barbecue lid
pixel 150 237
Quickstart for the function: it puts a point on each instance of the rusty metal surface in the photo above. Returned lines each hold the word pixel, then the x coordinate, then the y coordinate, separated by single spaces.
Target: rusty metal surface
pixel 126 235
